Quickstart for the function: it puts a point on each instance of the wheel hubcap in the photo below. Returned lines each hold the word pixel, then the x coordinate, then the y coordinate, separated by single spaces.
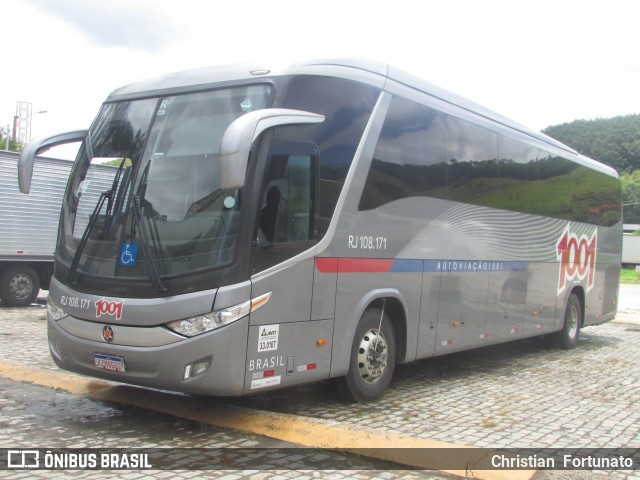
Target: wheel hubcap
pixel 21 286
pixel 372 355
pixel 573 321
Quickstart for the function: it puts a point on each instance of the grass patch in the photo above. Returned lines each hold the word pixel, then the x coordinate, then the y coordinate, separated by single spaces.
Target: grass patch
pixel 630 276
pixel 489 423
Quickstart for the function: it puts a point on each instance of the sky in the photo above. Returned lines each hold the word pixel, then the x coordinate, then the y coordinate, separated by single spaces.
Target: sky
pixel 541 62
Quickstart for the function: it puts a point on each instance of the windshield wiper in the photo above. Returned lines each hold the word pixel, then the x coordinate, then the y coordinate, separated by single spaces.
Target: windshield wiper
pixel 156 282
pixel 85 235
pixel 114 187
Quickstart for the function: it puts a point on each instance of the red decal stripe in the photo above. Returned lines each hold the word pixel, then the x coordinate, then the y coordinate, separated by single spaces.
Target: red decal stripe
pixel 327 265
pixel 364 265
pixel 353 265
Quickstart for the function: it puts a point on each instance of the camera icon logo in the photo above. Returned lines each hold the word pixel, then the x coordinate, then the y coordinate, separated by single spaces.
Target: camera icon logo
pixel 23 459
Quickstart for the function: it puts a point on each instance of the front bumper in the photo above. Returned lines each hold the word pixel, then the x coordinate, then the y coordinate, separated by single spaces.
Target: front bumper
pixel 162 367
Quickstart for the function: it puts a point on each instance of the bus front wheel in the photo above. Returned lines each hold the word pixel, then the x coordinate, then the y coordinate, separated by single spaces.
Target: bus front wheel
pixel 567 338
pixel 373 357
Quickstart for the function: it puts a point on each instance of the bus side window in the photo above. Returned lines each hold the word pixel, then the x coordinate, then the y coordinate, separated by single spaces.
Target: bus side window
pixel 409 160
pixel 286 213
pixel 286 223
pixel 269 213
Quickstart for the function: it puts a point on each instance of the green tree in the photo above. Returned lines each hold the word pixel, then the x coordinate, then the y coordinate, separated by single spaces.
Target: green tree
pixel 14 146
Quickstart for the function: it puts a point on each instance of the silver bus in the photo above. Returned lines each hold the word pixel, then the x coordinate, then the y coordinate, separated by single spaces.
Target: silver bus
pixel 267 227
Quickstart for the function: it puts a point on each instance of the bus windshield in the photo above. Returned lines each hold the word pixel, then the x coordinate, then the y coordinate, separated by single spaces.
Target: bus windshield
pixel 144 198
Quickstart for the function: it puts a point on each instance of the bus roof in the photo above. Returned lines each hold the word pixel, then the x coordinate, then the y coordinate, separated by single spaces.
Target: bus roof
pixel 367 71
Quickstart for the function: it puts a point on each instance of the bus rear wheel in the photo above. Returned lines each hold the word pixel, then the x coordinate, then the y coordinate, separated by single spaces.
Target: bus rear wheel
pixel 373 357
pixel 567 338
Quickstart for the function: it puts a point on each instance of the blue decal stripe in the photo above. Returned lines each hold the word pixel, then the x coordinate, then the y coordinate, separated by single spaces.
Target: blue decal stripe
pixel 405 265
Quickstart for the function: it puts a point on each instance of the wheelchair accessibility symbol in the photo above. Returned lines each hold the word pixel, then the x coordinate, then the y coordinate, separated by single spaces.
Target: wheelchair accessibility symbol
pixel 128 254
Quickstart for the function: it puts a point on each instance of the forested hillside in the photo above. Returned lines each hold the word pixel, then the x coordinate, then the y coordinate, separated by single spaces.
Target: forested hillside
pixel 614 141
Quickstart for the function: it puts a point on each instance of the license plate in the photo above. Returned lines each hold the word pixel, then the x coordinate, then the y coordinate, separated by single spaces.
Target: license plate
pixel 109 362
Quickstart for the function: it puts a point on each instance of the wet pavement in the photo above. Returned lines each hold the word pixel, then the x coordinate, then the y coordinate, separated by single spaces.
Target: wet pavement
pixel 522 394
pixel 33 416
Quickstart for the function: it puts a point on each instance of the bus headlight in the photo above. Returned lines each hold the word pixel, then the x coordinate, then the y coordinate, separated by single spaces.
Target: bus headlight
pixel 54 311
pixel 190 327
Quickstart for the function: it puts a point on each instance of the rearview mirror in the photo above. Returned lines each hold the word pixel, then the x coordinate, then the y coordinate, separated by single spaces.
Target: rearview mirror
pixel 36 147
pixel 239 136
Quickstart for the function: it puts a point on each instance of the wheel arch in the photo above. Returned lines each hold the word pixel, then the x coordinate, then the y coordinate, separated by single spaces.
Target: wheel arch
pixel 396 311
pixel 395 308
pixel 567 337
pixel 578 290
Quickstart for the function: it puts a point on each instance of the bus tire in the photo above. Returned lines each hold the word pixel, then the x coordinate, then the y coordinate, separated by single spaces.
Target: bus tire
pixel 567 338
pixel 19 286
pixel 370 370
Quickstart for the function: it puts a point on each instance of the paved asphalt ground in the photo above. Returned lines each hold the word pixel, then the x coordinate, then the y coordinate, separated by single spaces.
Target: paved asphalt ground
pixel 523 394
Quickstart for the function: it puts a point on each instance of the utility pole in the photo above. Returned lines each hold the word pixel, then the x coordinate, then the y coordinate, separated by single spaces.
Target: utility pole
pixel 6 139
pixel 15 127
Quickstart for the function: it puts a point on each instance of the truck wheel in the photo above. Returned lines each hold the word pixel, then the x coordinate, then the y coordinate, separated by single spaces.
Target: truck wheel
pixel 373 358
pixel 567 338
pixel 19 286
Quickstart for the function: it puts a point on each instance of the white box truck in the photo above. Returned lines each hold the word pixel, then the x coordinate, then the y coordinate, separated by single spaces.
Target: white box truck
pixel 28 227
pixel 630 249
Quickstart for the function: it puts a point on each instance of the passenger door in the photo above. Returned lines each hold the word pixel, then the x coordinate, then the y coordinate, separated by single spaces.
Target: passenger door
pixel 286 226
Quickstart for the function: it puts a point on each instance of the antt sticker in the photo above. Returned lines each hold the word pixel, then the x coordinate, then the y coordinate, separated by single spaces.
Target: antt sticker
pixel 577 257
pixel 268 337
